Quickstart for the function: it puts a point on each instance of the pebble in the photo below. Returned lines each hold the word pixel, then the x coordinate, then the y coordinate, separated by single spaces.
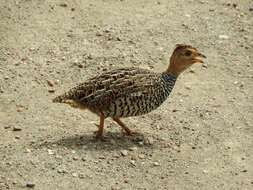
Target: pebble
pixel 50 152
pixel 124 152
pixel 101 157
pixel 150 141
pixel 191 70
pixel 134 148
pixel 81 176
pixel 205 171
pixel 51 90
pixel 99 34
pixel 223 37
pixel 63 4
pixel 30 185
pixel 75 158
pixel 17 137
pixel 75 174
pixel 61 171
pixel 141 156
pixel 132 162
pixel 188 87
pixel 156 164
pixel 204 65
pixel 17 129
pixel 50 83
pixel 28 150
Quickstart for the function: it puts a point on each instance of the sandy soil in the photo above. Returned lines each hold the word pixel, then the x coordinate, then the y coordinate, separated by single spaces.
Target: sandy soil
pixel 200 138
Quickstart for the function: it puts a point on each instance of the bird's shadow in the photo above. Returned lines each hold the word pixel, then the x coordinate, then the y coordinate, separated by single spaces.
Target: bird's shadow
pixel 112 141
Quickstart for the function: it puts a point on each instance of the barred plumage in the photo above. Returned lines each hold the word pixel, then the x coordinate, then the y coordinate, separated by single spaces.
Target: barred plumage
pixel 129 91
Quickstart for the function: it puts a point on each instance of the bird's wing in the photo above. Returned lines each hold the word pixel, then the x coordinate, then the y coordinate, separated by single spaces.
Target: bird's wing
pixel 103 89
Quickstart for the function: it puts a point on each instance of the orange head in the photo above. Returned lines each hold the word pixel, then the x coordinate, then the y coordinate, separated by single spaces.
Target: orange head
pixel 182 58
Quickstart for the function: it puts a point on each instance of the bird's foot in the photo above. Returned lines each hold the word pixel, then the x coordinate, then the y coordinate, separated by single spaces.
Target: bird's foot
pixel 130 133
pixel 99 136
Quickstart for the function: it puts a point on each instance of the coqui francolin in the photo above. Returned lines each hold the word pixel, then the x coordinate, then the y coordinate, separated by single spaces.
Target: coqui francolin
pixel 129 91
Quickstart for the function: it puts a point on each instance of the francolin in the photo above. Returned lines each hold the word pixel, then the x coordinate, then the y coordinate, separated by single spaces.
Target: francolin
pixel 129 91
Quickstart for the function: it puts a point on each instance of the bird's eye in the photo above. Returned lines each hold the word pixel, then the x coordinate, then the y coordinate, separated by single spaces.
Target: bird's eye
pixel 188 53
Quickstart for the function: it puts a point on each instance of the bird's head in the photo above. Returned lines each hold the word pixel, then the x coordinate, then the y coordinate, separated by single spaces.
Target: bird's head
pixel 183 57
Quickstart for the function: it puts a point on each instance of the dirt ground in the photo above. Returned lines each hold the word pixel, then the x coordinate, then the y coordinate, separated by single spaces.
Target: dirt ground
pixel 200 138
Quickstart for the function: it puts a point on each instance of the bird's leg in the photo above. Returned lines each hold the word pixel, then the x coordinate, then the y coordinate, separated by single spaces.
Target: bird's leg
pixel 99 132
pixel 127 130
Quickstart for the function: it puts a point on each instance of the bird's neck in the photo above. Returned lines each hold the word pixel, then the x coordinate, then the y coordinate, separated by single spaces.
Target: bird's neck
pixel 172 72
pixel 169 77
pixel 169 81
pixel 173 69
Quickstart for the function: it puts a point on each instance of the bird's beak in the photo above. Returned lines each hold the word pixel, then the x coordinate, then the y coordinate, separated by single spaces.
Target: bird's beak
pixel 198 58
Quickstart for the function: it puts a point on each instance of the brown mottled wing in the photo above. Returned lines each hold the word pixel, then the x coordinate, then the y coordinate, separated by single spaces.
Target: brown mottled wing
pixel 99 92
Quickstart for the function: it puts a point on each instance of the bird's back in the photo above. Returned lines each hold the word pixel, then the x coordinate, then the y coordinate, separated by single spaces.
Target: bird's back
pixel 122 92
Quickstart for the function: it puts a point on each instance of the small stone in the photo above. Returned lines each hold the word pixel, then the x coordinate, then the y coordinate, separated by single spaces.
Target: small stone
pixel 119 39
pixel 50 83
pixel 63 4
pixel 205 171
pixel 188 87
pixel 156 164
pixel 141 156
pixel 80 66
pixel 50 152
pixel 75 158
pixel 132 162
pixel 99 34
pixel 101 157
pixel 124 152
pixel 51 90
pixel 192 70
pixel 19 109
pixel 28 150
pixel 150 141
pixel 223 37
pixel 75 174
pixel 61 171
pixel 81 176
pixel 17 129
pixel 204 65
pixel 244 171
pixel 251 9
pixel 72 9
pixel 30 185
pixel 17 137
pixel 134 148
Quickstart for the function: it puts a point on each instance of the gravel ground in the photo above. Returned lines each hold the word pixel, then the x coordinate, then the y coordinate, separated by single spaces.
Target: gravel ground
pixel 200 138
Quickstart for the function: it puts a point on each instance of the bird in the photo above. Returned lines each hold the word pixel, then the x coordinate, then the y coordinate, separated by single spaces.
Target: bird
pixel 127 92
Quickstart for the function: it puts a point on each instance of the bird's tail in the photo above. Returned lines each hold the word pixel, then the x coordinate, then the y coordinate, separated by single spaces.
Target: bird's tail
pixel 61 99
